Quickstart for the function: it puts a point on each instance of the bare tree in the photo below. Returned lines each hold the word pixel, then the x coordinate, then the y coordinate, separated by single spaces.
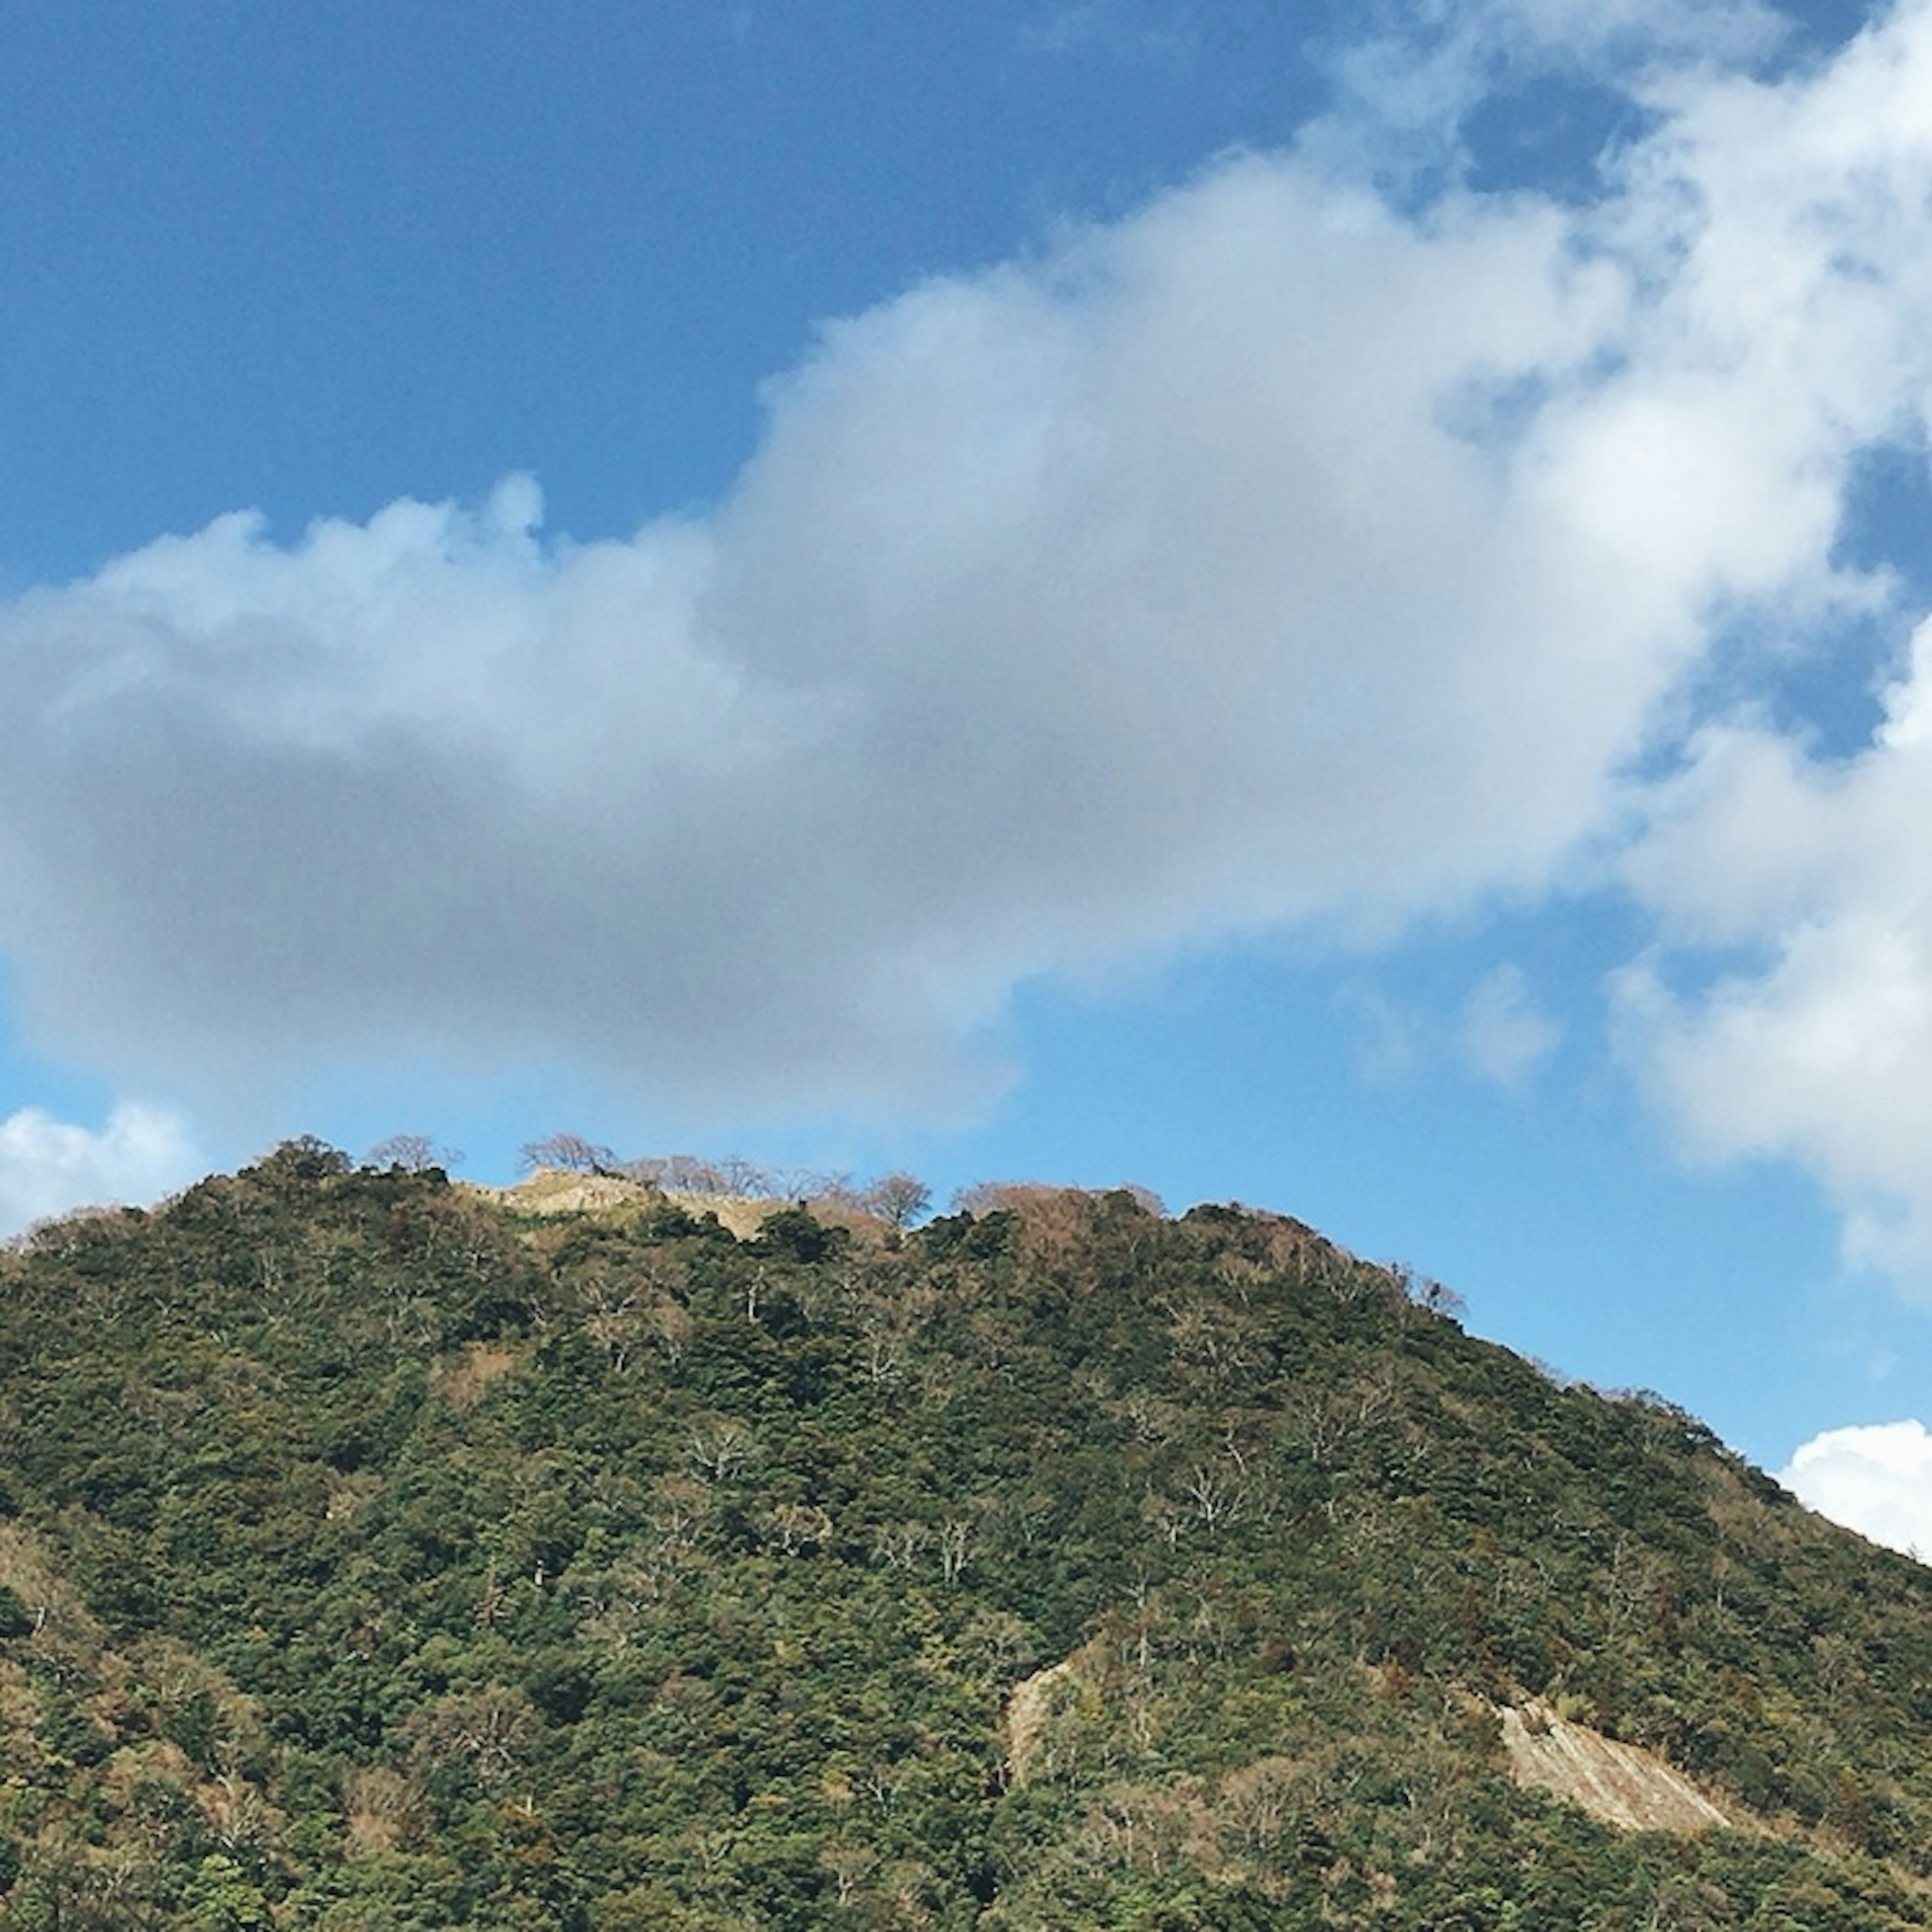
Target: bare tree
pixel 851 1864
pixel 746 1178
pixel 413 1153
pixel 955 1542
pixel 720 1451
pixel 796 1527
pixel 1215 1498
pixel 894 1545
pixel 572 1151
pixel 613 1318
pixel 492 1729
pixel 900 1198
pixel 1439 1299
pixel 687 1174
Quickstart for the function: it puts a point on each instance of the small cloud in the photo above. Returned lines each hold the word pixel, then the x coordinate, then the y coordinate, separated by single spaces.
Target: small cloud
pixel 1384 1037
pixel 1504 1034
pixel 1877 1480
pixel 1062 29
pixel 51 1167
pixel 1154 34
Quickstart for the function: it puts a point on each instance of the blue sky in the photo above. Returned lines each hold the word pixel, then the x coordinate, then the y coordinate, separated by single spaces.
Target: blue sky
pixel 1310 605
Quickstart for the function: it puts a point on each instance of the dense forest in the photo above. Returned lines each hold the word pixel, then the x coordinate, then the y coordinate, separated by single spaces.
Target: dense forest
pixel 375 1555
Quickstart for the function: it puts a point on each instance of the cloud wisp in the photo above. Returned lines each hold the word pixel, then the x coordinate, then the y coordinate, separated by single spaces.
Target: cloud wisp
pixel 1274 555
pixel 1505 1036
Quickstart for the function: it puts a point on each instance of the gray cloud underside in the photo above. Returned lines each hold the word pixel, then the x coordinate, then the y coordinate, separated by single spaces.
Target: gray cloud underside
pixel 1064 612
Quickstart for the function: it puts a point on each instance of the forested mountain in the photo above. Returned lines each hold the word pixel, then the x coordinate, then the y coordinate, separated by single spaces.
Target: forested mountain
pixel 375 1556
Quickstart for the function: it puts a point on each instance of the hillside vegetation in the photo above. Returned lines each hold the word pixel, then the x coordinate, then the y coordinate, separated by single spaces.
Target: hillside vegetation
pixel 375 1556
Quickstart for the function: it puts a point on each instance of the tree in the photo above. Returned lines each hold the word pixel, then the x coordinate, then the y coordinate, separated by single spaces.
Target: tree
pixel 900 1198
pixel 305 1159
pixel 413 1153
pixel 572 1151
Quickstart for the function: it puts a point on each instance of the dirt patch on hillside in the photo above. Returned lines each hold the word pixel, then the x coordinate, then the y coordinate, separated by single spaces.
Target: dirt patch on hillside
pixel 1031 1707
pixel 1622 1784
pixel 348 1492
pixel 461 1380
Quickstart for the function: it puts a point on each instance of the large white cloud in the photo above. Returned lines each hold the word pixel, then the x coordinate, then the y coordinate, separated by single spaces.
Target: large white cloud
pixel 1161 586
pixel 1877 1480
pixel 49 1166
pixel 1267 555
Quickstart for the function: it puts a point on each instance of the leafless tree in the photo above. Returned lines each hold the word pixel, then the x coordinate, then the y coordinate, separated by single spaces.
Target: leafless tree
pixel 414 1153
pixel 894 1545
pixel 850 1864
pixel 613 1318
pixel 690 1174
pixel 955 1541
pixel 670 1327
pixel 719 1451
pixel 900 1198
pixel 572 1151
pixel 687 1174
pixel 796 1527
pixel 1216 1496
pixel 745 1178
pixel 491 1729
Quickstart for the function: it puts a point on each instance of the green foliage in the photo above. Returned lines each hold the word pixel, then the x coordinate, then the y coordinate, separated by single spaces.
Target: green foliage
pixel 795 1233
pixel 377 1560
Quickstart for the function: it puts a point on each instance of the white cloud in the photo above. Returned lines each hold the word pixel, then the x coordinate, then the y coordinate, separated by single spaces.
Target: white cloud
pixel 1786 1011
pixel 1875 1480
pixel 1147 593
pixel 1161 33
pixel 1817 1048
pixel 1268 556
pixel 1504 1034
pixel 1386 1047
pixel 1590 32
pixel 1408 89
pixel 50 1167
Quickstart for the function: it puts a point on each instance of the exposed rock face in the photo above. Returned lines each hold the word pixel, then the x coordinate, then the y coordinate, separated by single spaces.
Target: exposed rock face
pixel 555 1190
pixel 552 1190
pixel 1622 1784
pixel 1030 1710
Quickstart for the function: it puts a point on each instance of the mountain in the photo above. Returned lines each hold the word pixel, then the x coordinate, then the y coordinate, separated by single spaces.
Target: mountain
pixel 377 1554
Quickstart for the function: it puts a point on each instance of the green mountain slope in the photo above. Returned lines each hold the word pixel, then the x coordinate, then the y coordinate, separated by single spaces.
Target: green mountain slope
pixel 374 1557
